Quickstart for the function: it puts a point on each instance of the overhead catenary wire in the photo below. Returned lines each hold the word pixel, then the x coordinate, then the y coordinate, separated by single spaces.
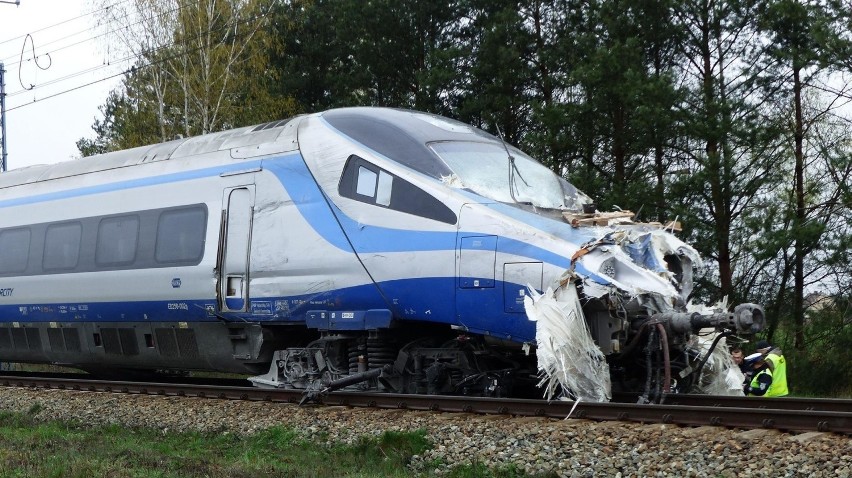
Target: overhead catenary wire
pixel 135 67
pixel 107 64
pixel 87 30
pixel 63 22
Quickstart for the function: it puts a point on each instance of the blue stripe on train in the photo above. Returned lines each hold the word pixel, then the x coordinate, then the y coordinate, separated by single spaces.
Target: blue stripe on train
pixel 312 204
pixel 430 299
pixel 131 184
pixel 294 175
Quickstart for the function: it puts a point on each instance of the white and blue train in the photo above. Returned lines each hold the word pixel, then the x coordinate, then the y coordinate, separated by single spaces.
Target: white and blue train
pixel 326 247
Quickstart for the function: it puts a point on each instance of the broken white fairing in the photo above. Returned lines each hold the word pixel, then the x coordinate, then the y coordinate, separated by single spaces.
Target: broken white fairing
pixel 568 359
pixel 719 375
pixel 616 258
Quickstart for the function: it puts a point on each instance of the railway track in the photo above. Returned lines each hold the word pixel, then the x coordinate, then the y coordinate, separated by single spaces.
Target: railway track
pixel 784 414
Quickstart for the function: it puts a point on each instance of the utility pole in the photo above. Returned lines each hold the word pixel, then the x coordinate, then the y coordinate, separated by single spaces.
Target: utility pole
pixel 2 118
pixel 3 366
pixel 3 105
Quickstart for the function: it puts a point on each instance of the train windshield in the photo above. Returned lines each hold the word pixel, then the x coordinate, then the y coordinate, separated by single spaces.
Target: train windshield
pixel 487 169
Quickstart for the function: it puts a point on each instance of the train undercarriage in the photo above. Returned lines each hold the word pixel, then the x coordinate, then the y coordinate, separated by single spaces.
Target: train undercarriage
pixel 661 357
pixel 444 364
pixel 652 355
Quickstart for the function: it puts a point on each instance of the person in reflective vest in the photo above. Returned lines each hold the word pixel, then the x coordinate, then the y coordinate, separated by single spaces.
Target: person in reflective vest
pixel 778 364
pixel 761 379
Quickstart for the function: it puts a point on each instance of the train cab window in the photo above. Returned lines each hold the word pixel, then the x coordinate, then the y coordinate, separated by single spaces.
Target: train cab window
pixel 383 192
pixel 374 186
pixel 180 235
pixel 117 238
pixel 370 184
pixel 366 183
pixel 62 246
pixel 14 250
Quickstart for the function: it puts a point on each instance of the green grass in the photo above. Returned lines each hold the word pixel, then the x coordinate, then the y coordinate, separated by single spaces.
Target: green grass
pixel 32 449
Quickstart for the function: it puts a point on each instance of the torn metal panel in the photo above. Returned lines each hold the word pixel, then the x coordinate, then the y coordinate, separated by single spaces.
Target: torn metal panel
pixel 640 261
pixel 569 361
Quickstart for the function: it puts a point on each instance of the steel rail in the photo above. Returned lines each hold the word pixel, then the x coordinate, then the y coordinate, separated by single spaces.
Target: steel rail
pixel 777 403
pixel 785 403
pixel 685 415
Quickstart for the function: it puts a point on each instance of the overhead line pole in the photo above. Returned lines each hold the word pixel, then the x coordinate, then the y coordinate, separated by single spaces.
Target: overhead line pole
pixel 2 118
pixel 3 105
pixel 3 366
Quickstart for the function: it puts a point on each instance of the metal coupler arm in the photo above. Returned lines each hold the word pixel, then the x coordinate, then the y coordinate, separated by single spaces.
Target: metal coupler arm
pixel 746 318
pixel 314 395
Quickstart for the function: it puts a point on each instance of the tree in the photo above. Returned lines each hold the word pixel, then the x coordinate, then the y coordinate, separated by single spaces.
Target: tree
pixel 380 53
pixel 200 67
pixel 805 46
pixel 729 149
pixel 130 117
pixel 621 103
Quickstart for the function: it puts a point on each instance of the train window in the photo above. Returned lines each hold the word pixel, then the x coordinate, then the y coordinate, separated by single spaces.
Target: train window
pixel 62 246
pixel 366 182
pixel 370 184
pixel 383 193
pixel 14 250
pixel 117 238
pixel 180 235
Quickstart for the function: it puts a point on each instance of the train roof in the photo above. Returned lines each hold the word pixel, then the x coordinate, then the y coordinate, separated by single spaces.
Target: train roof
pixel 243 142
pixel 400 134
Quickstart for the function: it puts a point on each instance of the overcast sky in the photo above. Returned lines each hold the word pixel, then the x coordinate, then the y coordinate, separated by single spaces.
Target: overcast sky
pixel 41 129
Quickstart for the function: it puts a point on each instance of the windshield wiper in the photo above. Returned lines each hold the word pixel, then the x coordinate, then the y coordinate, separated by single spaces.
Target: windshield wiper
pixel 512 168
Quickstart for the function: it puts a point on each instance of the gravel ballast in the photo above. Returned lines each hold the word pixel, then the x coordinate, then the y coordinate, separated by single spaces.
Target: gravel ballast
pixel 570 448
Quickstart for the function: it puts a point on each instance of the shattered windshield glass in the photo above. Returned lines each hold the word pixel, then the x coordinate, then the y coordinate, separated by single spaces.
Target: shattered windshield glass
pixel 487 169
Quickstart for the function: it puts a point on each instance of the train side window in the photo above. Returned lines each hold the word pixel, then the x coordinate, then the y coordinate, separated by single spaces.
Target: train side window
pixel 62 246
pixel 117 239
pixel 374 186
pixel 370 184
pixel 180 236
pixel 383 192
pixel 366 182
pixel 14 250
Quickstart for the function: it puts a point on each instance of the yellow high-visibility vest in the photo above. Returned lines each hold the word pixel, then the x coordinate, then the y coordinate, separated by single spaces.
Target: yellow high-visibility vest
pixel 779 376
pixel 755 383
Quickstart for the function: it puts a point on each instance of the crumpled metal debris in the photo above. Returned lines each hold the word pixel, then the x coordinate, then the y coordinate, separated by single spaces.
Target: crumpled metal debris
pixel 569 361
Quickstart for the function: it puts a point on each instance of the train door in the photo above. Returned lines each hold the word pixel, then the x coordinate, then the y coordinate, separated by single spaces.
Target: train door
pixel 238 204
pixel 478 297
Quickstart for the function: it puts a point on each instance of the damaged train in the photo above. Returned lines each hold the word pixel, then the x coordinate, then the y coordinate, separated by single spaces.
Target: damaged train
pixel 369 248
